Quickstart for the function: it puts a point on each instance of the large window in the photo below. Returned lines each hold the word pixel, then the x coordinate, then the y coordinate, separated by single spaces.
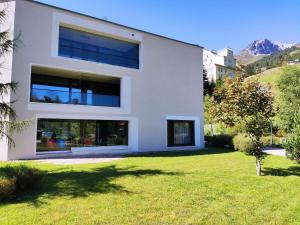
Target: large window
pixel 181 133
pixel 52 89
pixel 96 48
pixel 58 134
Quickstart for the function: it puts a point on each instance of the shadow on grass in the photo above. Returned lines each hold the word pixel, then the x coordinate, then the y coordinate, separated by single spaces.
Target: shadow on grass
pixel 83 183
pixel 291 171
pixel 179 153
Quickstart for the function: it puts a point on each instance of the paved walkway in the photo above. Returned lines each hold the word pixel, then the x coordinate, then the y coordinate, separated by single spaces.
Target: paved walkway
pixel 275 151
pixel 72 160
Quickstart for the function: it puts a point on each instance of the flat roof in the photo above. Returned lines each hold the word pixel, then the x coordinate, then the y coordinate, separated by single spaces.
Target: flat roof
pixel 106 21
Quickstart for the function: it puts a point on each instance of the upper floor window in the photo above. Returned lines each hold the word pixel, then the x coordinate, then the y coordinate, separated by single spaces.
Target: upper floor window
pixel 62 90
pixel 90 47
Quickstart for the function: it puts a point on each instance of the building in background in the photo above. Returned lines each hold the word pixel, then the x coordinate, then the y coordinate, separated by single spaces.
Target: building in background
pixel 218 64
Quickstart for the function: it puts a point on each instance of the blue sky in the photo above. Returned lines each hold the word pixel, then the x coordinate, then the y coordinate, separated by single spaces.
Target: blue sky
pixel 213 24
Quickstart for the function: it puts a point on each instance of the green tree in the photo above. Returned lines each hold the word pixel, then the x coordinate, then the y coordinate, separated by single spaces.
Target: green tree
pixel 207 85
pixel 8 123
pixel 289 87
pixel 249 102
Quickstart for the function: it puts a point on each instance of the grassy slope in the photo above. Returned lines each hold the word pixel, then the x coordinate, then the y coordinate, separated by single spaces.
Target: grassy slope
pixel 271 77
pixel 168 188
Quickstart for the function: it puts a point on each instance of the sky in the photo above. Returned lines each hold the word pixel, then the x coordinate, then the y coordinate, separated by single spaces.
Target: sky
pixel 213 24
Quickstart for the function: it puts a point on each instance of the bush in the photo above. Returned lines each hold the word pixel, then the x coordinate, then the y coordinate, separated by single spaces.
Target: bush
pixel 221 140
pixel 7 188
pixel 267 141
pixel 292 145
pixel 26 178
pixel 243 143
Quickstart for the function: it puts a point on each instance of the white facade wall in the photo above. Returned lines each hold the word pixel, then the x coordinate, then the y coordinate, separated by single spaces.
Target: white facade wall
pixel 168 83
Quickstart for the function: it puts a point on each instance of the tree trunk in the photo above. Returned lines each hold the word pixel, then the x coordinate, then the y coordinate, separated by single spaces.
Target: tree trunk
pixel 258 167
pixel 211 129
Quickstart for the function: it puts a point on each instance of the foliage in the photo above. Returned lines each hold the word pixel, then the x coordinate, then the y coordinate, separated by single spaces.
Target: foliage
pixel 292 145
pixel 247 101
pixel 7 188
pixel 19 179
pixel 277 141
pixel 289 86
pixel 208 86
pixel 242 142
pixel 209 117
pixel 221 140
pixel 8 123
pixel 27 178
pixel 271 61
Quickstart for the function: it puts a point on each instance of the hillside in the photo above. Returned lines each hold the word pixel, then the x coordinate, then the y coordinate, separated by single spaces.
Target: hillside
pixel 271 77
pixel 274 60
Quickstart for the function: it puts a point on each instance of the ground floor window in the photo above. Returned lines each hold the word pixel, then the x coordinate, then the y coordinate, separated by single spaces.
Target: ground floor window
pixel 181 133
pixel 61 134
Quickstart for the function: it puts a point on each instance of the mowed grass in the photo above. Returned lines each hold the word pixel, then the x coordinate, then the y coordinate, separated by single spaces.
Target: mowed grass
pixel 176 188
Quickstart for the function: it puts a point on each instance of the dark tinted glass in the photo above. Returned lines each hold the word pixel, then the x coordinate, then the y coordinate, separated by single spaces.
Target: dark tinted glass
pixel 96 48
pixel 181 133
pixel 58 135
pixel 51 89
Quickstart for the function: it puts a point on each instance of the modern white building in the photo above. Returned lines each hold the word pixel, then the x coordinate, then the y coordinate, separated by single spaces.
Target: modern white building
pixel 219 64
pixel 92 86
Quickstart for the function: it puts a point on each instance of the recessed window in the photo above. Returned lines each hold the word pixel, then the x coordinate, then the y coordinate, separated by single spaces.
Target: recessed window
pixel 61 134
pixel 96 48
pixel 181 133
pixel 63 90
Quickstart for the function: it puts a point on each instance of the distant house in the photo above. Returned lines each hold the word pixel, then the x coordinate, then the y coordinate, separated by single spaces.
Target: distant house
pixel 295 62
pixel 218 64
pixel 93 86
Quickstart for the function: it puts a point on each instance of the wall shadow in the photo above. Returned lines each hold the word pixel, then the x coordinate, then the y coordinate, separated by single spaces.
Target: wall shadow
pixel 290 171
pixel 179 153
pixel 84 183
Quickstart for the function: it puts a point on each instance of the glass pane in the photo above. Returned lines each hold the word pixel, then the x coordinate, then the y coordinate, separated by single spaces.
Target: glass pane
pixel 95 48
pixel 58 134
pixel 182 133
pixel 51 89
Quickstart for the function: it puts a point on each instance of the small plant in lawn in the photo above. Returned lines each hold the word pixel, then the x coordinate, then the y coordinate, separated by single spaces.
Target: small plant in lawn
pixel 19 179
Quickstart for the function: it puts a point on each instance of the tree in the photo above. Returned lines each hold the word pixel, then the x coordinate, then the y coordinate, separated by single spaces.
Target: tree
pixel 289 87
pixel 248 102
pixel 207 85
pixel 8 123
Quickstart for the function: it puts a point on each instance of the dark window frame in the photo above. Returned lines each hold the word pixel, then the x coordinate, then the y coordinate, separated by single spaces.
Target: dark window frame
pixel 170 133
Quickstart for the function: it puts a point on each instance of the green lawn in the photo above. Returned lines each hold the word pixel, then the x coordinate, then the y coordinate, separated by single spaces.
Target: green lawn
pixel 214 187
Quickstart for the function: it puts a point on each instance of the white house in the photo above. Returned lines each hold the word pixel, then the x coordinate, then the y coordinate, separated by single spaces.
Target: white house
pixel 92 86
pixel 218 64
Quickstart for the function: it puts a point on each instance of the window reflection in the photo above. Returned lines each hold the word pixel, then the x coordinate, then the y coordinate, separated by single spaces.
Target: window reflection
pixel 51 89
pixel 58 135
pixel 96 48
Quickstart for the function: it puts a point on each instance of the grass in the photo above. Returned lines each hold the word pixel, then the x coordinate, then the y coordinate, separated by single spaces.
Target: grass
pixel 176 188
pixel 271 77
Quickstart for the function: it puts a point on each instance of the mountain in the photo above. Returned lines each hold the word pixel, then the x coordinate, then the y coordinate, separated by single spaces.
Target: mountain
pixel 260 48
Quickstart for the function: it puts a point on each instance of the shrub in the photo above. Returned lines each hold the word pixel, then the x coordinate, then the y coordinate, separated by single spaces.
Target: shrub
pixel 243 143
pixel 7 188
pixel 26 178
pixel 292 145
pixel 220 140
pixel 267 141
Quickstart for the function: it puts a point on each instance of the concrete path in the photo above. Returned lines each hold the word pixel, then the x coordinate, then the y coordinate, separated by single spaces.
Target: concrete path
pixel 73 160
pixel 275 151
